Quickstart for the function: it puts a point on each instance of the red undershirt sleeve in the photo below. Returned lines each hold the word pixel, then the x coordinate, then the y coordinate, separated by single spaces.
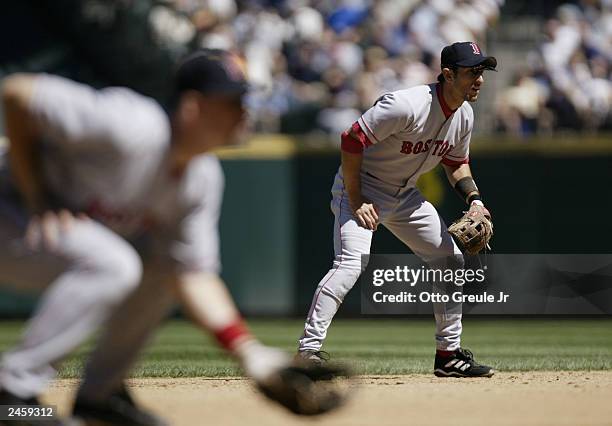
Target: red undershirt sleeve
pixel 354 140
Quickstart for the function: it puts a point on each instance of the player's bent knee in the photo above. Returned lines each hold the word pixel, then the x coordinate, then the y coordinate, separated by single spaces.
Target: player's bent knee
pixel 349 262
pixel 121 272
pixel 97 251
pixel 338 293
pixel 129 270
pixel 345 277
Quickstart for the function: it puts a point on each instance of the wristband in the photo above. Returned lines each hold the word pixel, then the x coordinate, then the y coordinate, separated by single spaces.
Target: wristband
pixel 475 199
pixel 466 187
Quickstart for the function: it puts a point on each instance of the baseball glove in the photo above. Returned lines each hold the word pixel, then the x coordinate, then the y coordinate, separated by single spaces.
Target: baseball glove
pixel 473 230
pixel 307 390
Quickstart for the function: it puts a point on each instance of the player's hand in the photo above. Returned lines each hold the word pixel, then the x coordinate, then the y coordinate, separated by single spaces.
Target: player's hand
pixel 479 205
pixel 367 216
pixel 302 389
pixel 44 230
pixel 308 390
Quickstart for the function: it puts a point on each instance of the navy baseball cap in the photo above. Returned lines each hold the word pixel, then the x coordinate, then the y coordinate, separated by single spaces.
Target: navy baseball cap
pixel 211 72
pixel 466 54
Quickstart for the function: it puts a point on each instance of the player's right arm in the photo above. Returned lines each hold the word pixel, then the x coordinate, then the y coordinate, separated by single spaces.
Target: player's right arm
pixel 22 133
pixel 364 211
pixel 389 115
pixel 195 268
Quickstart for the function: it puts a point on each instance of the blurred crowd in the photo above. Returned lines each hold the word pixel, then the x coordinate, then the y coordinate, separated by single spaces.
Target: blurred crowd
pixel 566 82
pixel 315 64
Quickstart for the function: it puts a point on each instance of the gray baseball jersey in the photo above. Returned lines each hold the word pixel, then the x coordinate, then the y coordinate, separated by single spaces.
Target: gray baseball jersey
pixel 105 154
pixel 410 131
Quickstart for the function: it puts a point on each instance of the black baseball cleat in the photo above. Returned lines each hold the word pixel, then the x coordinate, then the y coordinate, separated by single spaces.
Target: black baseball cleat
pixel 118 409
pixel 7 398
pixel 312 357
pixel 460 364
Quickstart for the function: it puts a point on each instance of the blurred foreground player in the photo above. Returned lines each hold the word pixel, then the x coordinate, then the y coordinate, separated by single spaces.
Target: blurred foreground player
pixel 119 203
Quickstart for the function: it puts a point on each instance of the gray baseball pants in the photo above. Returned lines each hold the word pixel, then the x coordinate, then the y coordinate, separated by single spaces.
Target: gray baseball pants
pixel 412 219
pixel 91 277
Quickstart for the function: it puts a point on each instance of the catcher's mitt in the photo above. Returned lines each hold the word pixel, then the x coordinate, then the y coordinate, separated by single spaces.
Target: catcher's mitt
pixel 473 230
pixel 307 389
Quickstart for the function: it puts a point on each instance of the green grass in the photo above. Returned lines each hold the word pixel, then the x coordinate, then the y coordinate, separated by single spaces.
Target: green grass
pixel 398 346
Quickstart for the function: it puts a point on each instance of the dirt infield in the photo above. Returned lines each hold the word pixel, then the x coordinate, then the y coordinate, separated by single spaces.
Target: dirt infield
pixel 539 398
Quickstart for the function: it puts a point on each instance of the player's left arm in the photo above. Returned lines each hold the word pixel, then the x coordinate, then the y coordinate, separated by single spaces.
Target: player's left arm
pixel 457 173
pixel 460 177
pixel 456 164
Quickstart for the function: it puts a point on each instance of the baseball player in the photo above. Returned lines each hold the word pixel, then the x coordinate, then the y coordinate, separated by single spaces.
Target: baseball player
pixel 119 201
pixel 405 134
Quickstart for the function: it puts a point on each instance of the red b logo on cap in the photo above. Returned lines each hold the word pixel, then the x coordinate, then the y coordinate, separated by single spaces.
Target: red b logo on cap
pixel 475 48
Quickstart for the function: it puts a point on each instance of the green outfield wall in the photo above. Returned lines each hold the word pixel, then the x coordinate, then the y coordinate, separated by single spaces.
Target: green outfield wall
pixel 276 228
pixel 547 196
